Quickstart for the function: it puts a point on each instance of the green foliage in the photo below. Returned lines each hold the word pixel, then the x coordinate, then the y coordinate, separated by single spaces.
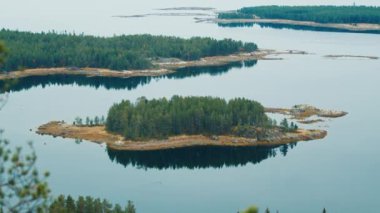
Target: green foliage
pixel 247 131
pixel 96 121
pixel 87 204
pixel 2 53
pixel 284 123
pixel 79 121
pixel 234 15
pixel 22 187
pixel 320 14
pixel 160 118
pixel 38 50
pixel 289 128
pixel 251 209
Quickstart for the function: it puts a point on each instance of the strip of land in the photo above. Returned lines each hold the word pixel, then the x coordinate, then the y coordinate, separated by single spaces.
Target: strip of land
pixel 303 111
pixel 161 14
pixel 188 8
pixel 359 27
pixel 162 66
pixel 89 72
pixel 352 56
pixel 98 134
pixel 310 121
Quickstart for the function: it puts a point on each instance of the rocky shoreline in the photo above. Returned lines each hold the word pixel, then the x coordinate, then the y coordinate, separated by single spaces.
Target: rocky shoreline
pixel 162 67
pixel 98 134
pixel 351 57
pixel 88 72
pixel 361 27
pixel 304 111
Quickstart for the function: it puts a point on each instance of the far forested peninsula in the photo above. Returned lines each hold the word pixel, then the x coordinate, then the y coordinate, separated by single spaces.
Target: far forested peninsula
pixel 341 18
pixel 27 50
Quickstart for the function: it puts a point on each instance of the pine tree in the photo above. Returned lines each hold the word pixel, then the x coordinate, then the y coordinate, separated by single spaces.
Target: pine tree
pixel 70 204
pixel 96 120
pixel 284 124
pixel 130 207
pixel 81 205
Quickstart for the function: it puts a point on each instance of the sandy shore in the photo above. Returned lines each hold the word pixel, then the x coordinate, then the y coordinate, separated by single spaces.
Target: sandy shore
pixel 361 27
pixel 98 134
pixel 89 72
pixel 262 54
pixel 163 68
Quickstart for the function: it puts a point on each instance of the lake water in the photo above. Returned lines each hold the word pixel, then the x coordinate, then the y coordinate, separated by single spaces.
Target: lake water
pixel 339 172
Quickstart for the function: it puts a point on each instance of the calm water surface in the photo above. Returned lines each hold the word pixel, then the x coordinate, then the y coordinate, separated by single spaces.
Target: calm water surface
pixel 339 172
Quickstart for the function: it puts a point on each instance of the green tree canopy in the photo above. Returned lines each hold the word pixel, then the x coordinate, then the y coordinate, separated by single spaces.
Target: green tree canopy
pixel 44 50
pixel 251 209
pixel 87 204
pixel 160 118
pixel 321 14
pixel 2 53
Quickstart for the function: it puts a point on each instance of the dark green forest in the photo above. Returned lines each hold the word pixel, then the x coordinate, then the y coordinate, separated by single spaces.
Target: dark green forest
pixel 160 118
pixel 87 204
pixel 43 50
pixel 320 14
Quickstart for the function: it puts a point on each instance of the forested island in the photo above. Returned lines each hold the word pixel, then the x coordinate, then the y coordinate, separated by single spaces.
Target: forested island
pixel 340 18
pixel 180 122
pixel 125 52
pixel 320 14
pixel 161 118
pixel 43 54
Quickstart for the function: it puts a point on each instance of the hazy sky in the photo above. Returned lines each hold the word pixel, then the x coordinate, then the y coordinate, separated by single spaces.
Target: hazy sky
pixel 32 6
pixel 93 16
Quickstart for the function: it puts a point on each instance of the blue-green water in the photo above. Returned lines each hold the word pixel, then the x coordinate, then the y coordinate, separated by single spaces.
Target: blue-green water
pixel 339 172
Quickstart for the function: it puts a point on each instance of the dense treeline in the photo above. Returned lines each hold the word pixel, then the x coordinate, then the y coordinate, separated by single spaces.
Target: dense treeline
pixel 160 118
pixel 96 121
pixel 2 53
pixel 36 50
pixel 87 204
pixel 321 14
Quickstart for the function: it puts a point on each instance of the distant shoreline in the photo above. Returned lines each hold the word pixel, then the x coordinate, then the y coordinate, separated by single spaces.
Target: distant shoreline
pixel 360 27
pixel 98 134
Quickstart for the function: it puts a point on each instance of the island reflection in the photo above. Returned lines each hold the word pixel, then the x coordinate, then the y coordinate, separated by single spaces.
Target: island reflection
pixel 281 26
pixel 197 157
pixel 118 83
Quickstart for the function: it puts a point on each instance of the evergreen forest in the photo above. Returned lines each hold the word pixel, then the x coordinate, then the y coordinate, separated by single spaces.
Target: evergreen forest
pixel 160 118
pixel 320 14
pixel 125 52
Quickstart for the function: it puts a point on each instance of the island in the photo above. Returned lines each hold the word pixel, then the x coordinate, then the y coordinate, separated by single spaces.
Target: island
pixel 352 57
pixel 180 122
pixel 364 19
pixel 41 54
pixel 303 112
